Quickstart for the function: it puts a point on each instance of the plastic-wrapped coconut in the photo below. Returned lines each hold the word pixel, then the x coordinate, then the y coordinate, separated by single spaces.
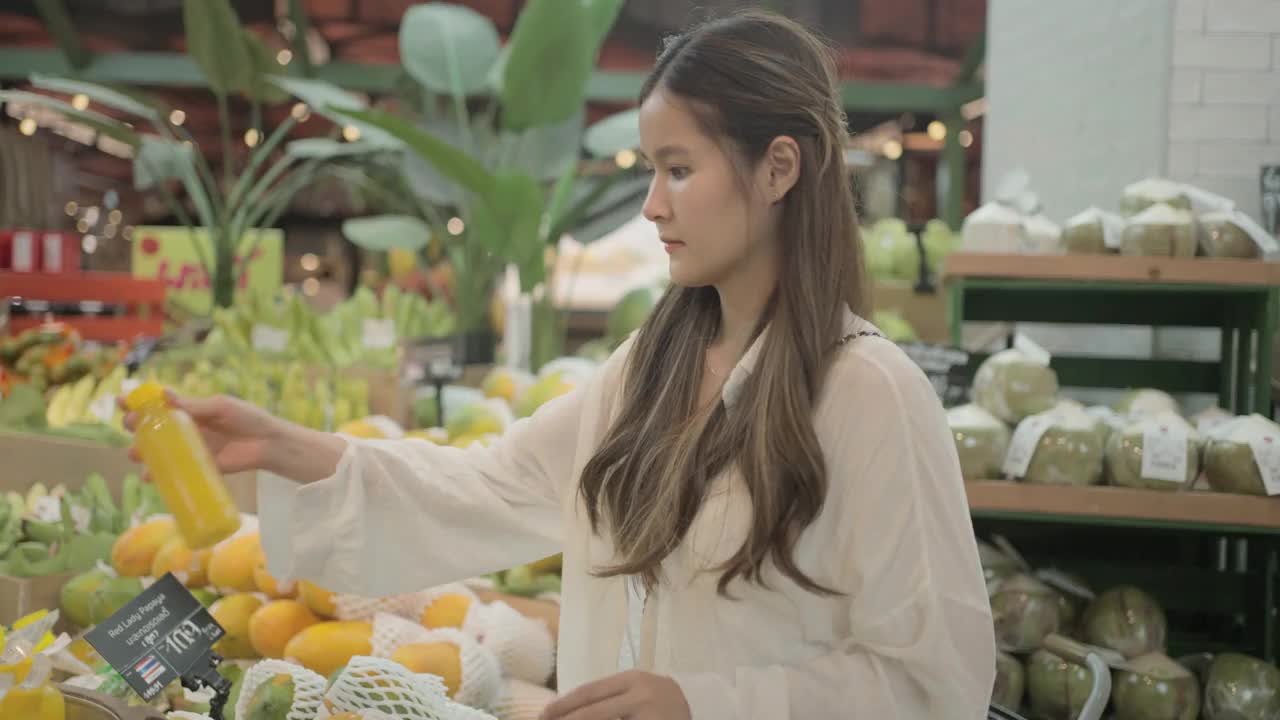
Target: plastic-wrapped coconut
pixel 995 564
pixel 1153 191
pixel 1230 462
pixel 1041 236
pixel 1156 688
pixel 1058 687
pixel 1092 232
pixel 1012 385
pixel 992 228
pixel 1127 620
pixel 1074 596
pixel 981 441
pixel 1209 418
pixel 1241 688
pixel 1025 612
pixel 1146 401
pixel 1068 452
pixel 1011 681
pixel 1160 231
pixel 1106 420
pixel 1221 236
pixel 1169 433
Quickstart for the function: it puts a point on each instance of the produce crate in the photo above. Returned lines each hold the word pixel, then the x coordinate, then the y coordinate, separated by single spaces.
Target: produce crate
pixel 20 597
pixel 925 311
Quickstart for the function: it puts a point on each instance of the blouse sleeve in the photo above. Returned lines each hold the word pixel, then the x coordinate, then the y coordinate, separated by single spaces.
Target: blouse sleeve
pixel 402 515
pixel 920 642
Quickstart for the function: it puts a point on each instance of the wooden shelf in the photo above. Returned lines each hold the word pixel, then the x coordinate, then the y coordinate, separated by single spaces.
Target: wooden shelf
pixel 1105 505
pixel 1114 268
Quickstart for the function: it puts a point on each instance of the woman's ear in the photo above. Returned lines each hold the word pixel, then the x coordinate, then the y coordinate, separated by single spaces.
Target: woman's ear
pixel 782 165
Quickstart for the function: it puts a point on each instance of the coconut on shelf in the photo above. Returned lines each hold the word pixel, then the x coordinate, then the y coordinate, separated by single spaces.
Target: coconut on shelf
pixel 1162 231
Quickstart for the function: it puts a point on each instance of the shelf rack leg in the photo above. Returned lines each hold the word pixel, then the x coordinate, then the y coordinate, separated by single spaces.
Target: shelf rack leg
pixel 1271 634
pixel 1226 361
pixel 1244 359
pixel 1266 321
pixel 955 312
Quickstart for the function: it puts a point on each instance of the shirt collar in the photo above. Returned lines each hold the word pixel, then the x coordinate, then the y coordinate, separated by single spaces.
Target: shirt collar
pixel 733 387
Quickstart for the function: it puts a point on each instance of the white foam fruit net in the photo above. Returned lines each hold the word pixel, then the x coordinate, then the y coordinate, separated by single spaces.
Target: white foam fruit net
pixel 422 600
pixel 355 607
pixel 523 645
pixel 457 711
pixel 522 700
pixel 308 688
pixel 184 715
pixel 370 683
pixel 390 632
pixel 481 671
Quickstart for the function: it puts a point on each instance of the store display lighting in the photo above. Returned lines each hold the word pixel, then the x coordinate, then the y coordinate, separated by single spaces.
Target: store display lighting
pixel 309 262
pixel 455 226
pixel 310 287
pixel 82 225
pixel 91 215
pixel 127 233
pixel 300 112
pixel 71 208
pixel 625 159
pixel 284 57
pixel 177 117
pixel 114 217
pixel 109 232
pixel 966 138
pixel 80 101
pixel 251 137
pixel 89 244
pixel 27 126
pixel 351 133
pixel 937 131
pixel 892 149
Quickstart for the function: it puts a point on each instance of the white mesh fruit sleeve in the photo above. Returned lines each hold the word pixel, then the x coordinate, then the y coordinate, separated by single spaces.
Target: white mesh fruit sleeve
pixel 355 607
pixel 422 600
pixel 458 711
pixel 184 715
pixel 524 646
pixel 370 683
pixel 481 671
pixel 308 688
pixel 390 632
pixel 521 700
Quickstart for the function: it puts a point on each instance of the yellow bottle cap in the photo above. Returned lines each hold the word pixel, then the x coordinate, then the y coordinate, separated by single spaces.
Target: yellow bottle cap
pixel 145 394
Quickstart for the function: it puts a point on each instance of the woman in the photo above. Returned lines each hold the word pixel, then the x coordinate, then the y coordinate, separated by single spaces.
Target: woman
pixel 757 497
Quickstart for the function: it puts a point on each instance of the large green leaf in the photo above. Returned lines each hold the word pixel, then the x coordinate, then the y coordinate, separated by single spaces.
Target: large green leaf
pixel 448 48
pixel 107 126
pixel 545 151
pixel 508 223
pixel 214 40
pixel 620 131
pixel 159 160
pixel 263 65
pixel 552 55
pixel 387 232
pixel 326 148
pixel 329 100
pixel 449 160
pixel 97 93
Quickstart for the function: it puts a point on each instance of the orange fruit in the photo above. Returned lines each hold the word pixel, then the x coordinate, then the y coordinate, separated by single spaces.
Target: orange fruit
pixel 448 610
pixel 317 598
pixel 443 659
pixel 273 625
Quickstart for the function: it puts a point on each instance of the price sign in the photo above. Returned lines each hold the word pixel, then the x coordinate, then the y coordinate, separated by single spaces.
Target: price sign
pixel 945 367
pixel 434 359
pixel 378 334
pixel 157 638
pixel 269 339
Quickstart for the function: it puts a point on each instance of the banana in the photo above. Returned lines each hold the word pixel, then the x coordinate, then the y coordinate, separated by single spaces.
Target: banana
pixel 34 493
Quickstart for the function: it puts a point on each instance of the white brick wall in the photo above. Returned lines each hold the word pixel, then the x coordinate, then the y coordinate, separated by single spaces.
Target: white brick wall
pixel 1224 95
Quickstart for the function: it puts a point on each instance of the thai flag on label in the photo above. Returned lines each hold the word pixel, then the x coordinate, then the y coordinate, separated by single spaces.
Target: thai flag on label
pixel 149 669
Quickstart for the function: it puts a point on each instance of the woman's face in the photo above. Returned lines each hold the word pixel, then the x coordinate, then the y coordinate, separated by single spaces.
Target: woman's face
pixel 711 228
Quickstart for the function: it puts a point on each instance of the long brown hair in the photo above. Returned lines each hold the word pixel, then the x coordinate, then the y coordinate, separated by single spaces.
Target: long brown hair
pixel 750 78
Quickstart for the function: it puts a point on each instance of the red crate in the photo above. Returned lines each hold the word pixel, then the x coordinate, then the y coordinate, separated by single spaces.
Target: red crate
pixel 144 300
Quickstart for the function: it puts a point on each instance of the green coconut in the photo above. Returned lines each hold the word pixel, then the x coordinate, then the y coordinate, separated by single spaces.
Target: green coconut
pixel 1143 194
pixel 1069 452
pixel 1127 620
pixel 1074 595
pixel 1011 681
pixel 1160 231
pixel 1024 611
pixel 1155 688
pixel 1241 688
pixel 1229 462
pixel 1013 386
pixel 1087 233
pixel 1146 401
pixel 981 441
pixel 1125 453
pixel 1058 688
pixel 1222 236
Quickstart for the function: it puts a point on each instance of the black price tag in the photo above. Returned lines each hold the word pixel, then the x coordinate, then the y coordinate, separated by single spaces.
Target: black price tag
pixel 434 359
pixel 946 367
pixel 157 638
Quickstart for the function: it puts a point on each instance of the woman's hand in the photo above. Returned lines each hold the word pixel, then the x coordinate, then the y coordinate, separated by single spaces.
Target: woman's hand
pixel 633 695
pixel 238 433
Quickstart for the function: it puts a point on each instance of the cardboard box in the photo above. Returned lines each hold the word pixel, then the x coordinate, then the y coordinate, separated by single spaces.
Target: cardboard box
pixel 927 312
pixel 20 597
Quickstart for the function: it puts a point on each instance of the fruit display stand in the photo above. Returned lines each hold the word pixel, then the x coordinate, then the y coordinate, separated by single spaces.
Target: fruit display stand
pixel 1239 297
pixel 85 705
pixel 142 302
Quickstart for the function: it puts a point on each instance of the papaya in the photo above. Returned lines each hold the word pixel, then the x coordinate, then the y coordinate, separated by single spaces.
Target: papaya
pixel 327 646
pixel 271 700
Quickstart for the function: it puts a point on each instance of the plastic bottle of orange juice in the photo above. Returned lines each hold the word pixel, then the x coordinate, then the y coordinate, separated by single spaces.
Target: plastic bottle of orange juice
pixel 182 469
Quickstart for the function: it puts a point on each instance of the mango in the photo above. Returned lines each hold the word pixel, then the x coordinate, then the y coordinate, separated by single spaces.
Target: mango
pixel 317 598
pixel 271 700
pixel 233 614
pixel 505 383
pixel 232 564
pixel 273 625
pixel 327 646
pixel 541 392
pixel 268 585
pixel 206 597
pixel 189 566
pixel 75 595
pixel 448 610
pixel 136 548
pixel 436 435
pixel 110 596
pixel 443 659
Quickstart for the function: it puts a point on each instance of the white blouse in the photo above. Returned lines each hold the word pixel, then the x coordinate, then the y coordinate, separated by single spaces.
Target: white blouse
pixel 910 638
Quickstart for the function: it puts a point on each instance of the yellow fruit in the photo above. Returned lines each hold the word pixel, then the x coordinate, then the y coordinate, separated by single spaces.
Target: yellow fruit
pixel 276 623
pixel 550 564
pixel 543 391
pixel 448 610
pixel 319 600
pixel 374 427
pixel 490 416
pixel 327 646
pixel 232 564
pixel 233 614
pixel 505 383
pixel 136 548
pixel 268 585
pixel 467 440
pixel 190 567
pixel 436 435
pixel 401 262
pixel 443 659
